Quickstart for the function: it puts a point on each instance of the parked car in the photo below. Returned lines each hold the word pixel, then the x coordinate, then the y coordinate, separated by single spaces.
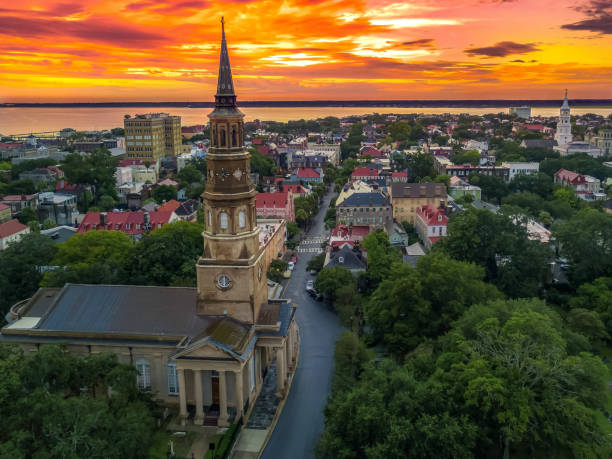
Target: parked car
pixel 310 285
pixel 291 266
pixel 293 259
pixel 313 272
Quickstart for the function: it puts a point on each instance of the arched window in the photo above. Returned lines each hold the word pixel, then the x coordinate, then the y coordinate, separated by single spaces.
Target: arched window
pixel 144 374
pixel 172 378
pixel 242 219
pixel 209 220
pixel 214 136
pixel 222 142
pixel 234 143
pixel 223 220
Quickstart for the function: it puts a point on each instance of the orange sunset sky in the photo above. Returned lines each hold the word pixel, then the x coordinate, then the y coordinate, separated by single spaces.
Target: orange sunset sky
pixel 148 50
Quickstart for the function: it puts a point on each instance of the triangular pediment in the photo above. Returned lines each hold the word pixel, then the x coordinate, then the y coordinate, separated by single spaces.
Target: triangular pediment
pixel 206 348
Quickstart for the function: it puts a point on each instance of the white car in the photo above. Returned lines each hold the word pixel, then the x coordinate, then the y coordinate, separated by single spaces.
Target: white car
pixel 309 285
pixel 291 266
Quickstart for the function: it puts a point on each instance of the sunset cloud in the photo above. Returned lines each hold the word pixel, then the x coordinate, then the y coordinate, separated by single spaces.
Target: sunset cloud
pixel 502 49
pixel 54 50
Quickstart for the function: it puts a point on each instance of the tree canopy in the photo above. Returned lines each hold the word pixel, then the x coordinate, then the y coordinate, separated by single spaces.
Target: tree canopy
pixel 96 169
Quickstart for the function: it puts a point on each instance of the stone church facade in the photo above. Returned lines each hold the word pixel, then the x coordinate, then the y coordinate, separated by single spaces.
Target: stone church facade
pixel 204 350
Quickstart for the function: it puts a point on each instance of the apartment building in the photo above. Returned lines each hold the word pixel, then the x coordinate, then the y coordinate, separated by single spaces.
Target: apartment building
pixel 152 136
pixel 407 198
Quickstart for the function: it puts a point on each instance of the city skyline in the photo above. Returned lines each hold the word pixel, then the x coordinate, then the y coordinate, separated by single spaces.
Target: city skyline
pixel 101 51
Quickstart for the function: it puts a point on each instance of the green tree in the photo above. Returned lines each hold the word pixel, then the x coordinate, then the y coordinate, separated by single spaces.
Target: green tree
pixel 263 165
pixel 27 215
pixel 330 280
pixel 94 257
pixel 467 157
pixel 164 193
pixel 420 165
pixel 51 406
pixel 381 256
pixel 586 241
pixel 596 296
pixel 499 243
pixel 188 175
pixel 316 263
pixel 19 268
pixel 168 255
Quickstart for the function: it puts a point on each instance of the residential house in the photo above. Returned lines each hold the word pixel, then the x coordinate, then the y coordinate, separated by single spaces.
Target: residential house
pixel 307 175
pixel 578 146
pixel 19 202
pixel 42 175
pixel 351 188
pixel 275 205
pixel 399 177
pixel 430 224
pixel 549 144
pixel 521 168
pixel 364 173
pixel 412 253
pixel 585 186
pixel 346 256
pixel 5 213
pixel 57 207
pixel 12 231
pixel 407 198
pixel 348 234
pixel 188 210
pixel 373 209
pixel 60 233
pixel 398 237
pixel 170 206
pixel 134 224
pixel 459 188
pixel 373 152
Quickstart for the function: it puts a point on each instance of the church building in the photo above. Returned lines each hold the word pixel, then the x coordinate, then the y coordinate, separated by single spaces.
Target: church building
pixel 206 349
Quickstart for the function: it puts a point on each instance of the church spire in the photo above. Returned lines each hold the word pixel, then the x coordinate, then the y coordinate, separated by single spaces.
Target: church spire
pixel 225 96
pixel 565 101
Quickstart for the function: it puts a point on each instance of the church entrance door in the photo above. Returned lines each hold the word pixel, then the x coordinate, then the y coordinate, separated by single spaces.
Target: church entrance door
pixel 215 390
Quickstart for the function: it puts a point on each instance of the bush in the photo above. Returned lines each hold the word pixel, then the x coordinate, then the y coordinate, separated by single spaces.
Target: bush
pixel 277 268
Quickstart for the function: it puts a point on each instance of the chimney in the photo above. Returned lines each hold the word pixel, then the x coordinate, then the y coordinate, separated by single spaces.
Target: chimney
pixel 103 219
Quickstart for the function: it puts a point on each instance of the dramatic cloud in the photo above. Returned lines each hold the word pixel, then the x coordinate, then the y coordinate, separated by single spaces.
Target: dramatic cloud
pixel 62 50
pixel 600 17
pixel 502 49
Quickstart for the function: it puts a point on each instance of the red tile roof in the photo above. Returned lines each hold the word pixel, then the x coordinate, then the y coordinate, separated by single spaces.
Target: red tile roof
pixel 307 172
pixel 570 176
pixel 399 174
pixel 374 152
pixel 168 182
pixel 4 206
pixel 294 188
pixel 365 172
pixel 278 200
pixel 18 197
pixel 432 215
pixel 169 206
pixel 119 221
pixel 354 232
pixel 263 149
pixel 11 227
pixel 258 141
pixel 66 186
pixel 9 145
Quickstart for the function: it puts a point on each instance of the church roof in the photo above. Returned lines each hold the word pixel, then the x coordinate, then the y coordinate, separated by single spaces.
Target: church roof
pixel 225 83
pixel 565 101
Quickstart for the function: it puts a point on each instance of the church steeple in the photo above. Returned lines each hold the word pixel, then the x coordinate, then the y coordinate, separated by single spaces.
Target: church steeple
pixel 231 270
pixel 225 96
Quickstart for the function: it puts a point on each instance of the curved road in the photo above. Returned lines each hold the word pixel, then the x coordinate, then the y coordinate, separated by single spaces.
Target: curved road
pixel 301 421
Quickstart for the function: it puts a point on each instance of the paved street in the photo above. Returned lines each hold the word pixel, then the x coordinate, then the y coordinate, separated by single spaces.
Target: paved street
pixel 301 421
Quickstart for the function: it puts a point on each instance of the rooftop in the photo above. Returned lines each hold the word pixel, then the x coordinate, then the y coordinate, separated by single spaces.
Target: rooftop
pixel 11 227
pixel 416 190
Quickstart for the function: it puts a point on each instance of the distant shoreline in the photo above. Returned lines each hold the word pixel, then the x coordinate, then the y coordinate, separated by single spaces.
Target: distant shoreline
pixel 494 103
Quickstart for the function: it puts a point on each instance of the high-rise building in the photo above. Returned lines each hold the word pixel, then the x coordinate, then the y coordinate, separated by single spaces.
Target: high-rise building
pixel 152 136
pixel 563 135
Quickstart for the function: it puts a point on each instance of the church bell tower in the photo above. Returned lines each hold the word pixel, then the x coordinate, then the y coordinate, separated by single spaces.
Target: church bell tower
pixel 231 278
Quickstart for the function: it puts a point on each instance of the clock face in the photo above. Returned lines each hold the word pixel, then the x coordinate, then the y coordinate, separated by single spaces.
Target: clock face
pixel 224 282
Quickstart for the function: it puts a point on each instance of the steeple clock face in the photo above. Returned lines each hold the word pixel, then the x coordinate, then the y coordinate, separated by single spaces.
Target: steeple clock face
pixel 224 282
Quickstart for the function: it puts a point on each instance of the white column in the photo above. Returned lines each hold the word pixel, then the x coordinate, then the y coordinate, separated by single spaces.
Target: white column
pixel 281 372
pixel 222 400
pixel 239 395
pixel 199 416
pixel 182 396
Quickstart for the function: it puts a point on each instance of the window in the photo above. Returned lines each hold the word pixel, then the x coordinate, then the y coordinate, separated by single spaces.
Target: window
pixel 252 374
pixel 223 220
pixel 209 219
pixel 144 374
pixel 242 219
pixel 172 378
